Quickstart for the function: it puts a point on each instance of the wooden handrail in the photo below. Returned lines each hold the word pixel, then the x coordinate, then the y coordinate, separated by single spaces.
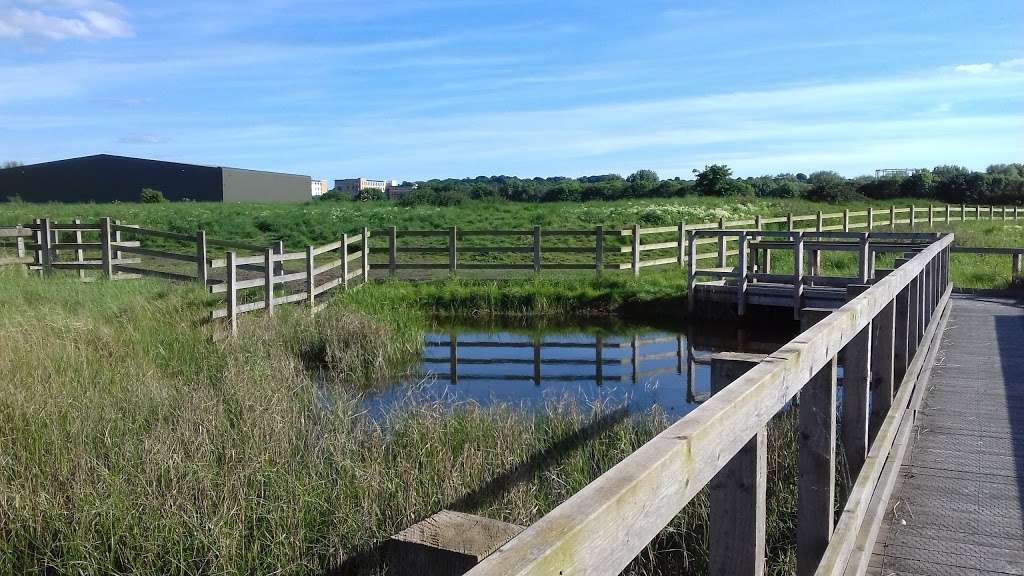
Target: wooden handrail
pixel 601 529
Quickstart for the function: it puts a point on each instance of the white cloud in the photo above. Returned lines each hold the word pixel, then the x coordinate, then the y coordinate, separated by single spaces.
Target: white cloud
pixel 62 19
pixel 975 68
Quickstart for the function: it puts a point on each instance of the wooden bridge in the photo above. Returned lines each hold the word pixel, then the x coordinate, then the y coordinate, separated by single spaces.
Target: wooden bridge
pixel 928 425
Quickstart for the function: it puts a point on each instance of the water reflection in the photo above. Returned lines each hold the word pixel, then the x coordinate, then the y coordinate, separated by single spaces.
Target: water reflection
pixel 638 366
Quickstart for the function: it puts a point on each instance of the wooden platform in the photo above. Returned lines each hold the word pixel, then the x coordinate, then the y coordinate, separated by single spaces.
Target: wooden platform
pixel 957 506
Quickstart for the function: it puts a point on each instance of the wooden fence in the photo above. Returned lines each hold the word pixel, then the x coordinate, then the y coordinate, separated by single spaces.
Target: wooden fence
pixel 117 250
pixel 886 334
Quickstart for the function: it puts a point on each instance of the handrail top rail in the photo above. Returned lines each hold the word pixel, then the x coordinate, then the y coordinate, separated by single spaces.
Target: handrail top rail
pixel 670 469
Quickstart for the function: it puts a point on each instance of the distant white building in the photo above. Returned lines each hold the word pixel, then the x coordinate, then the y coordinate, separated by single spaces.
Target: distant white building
pixel 319 187
pixel 391 188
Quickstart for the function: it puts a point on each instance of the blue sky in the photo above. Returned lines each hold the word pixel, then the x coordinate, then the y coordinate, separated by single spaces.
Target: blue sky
pixel 415 89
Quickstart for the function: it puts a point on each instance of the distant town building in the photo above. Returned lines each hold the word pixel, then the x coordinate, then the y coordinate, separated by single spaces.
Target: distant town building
pixel 319 187
pixel 391 188
pixel 890 172
pixel 109 178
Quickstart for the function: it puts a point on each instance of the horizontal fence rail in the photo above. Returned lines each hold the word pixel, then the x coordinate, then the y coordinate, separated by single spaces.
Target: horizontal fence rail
pixel 722 443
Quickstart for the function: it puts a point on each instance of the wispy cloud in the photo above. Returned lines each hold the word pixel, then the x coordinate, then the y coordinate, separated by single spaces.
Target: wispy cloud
pixel 139 138
pixel 63 19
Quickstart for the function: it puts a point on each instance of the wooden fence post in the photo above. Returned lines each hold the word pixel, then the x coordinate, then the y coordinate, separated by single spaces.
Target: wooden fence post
pixel 947 214
pixel 963 212
pixel 636 250
pixel 991 212
pixel 202 271
pixel 691 260
pixel 913 217
pixel 1002 211
pixel 47 236
pixel 817 472
pixel 453 234
pixel 856 391
pixel 392 250
pixel 365 263
pixel 892 217
pixel 1015 210
pixel 883 334
pixel 741 278
pixel 931 216
pixel 79 253
pixel 279 249
pixel 819 224
pixel 599 248
pixel 536 248
pixel 310 277
pixel 105 255
pixel 738 492
pixel 681 238
pixel 789 221
pixel 343 253
pixel 268 281
pixel 232 292
pixel 722 258
pixel 846 219
pixel 871 218
pixel 117 240
pixel 758 223
pixel 37 239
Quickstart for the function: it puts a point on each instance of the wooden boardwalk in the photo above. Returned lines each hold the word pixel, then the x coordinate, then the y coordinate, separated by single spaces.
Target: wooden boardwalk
pixel 957 504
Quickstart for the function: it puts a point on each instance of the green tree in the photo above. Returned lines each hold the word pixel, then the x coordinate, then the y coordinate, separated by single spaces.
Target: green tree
pixel 151 196
pixel 713 180
pixel 917 185
pixel 827 186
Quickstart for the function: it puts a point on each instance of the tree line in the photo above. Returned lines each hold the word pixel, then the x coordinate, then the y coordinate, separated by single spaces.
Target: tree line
pixel 998 184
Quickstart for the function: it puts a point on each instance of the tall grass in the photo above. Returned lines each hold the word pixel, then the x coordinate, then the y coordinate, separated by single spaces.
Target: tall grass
pixel 135 439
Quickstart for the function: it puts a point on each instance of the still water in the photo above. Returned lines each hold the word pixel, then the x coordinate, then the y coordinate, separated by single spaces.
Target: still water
pixel 640 366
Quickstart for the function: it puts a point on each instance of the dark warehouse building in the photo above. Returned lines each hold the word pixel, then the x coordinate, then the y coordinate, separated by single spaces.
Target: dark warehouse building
pixel 108 178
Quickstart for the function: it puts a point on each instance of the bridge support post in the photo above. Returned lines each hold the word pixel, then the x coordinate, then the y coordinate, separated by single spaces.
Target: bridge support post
pixel 738 491
pixel 816 469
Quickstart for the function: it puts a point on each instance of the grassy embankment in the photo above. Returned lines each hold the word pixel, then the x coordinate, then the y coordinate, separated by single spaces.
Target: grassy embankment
pixel 134 440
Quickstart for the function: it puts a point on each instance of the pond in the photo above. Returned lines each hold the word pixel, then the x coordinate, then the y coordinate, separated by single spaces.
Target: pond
pixel 530 365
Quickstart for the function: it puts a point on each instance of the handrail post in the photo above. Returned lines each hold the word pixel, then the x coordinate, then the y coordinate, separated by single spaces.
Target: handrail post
pixel 202 266
pixel 392 251
pixel 681 239
pixel 536 249
pixel 310 277
pixel 232 292
pixel 268 281
pixel 453 235
pixel 901 355
pixel 798 273
pixel 598 248
pixel 741 276
pixel 105 256
pixel 883 334
pixel 856 391
pixel 722 257
pixel 738 492
pixel 343 252
pixel 816 464
pixel 865 258
pixel 365 260
pixel 635 261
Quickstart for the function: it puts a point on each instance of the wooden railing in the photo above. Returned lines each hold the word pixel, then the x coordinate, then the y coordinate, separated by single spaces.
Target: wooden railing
pixel 882 333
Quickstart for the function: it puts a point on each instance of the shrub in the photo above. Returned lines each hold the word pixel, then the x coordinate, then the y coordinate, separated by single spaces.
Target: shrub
pixel 370 194
pixel 151 196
